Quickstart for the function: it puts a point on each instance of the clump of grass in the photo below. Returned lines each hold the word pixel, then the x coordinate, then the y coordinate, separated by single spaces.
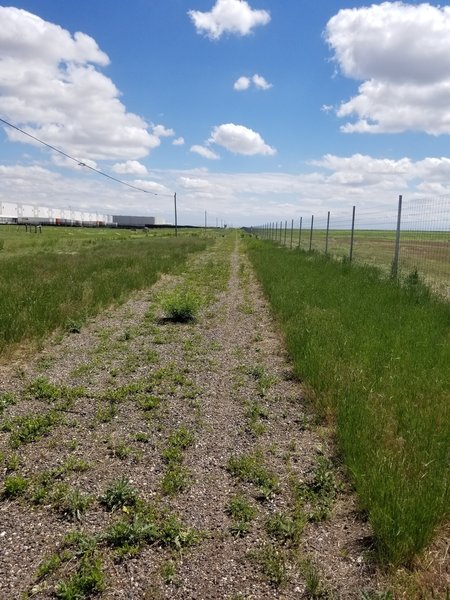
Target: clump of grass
pixel 287 528
pixel 319 491
pixel 70 502
pixel 242 513
pixel 272 563
pixel 15 485
pixel 42 389
pixel 181 305
pixel 119 494
pixel 176 479
pixel 250 468
pixel 87 581
pixel 31 427
pixel 313 582
pixel 6 399
pixel 376 355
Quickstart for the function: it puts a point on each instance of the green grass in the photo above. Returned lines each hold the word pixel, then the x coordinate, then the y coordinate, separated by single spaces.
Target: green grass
pixel 58 285
pixel 376 357
pixel 250 468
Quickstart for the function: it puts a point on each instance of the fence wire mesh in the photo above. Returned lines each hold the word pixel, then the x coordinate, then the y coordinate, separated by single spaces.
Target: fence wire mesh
pixel 424 237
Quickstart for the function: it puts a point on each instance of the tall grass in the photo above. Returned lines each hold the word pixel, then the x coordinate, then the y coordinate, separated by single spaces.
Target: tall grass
pixel 42 291
pixel 377 357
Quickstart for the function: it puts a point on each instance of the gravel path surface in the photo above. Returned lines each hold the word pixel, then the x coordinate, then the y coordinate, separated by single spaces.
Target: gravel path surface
pixel 239 493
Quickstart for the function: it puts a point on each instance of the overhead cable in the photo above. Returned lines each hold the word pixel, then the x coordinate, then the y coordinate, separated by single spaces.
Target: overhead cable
pixel 79 162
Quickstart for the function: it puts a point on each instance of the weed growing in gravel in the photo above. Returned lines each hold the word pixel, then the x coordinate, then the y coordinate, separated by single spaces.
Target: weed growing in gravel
pixel 255 413
pixel 70 502
pixel 176 479
pixel 181 305
pixel 287 528
pixel 119 449
pixel 88 580
pixel 319 492
pixel 168 572
pixel 119 494
pixel 42 389
pixel 145 526
pixel 313 582
pixel 12 462
pixel 31 427
pixel 15 485
pixel 272 563
pixel 263 379
pixel 6 399
pixel 250 468
pixel 106 413
pixel 242 513
pixel 49 566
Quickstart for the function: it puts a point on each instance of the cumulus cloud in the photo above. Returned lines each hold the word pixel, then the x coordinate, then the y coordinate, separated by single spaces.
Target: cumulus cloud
pixel 130 167
pixel 401 53
pixel 240 140
pixel 205 152
pixel 50 85
pixel 260 82
pixel 161 131
pixel 151 186
pixel 179 141
pixel 243 83
pixel 228 16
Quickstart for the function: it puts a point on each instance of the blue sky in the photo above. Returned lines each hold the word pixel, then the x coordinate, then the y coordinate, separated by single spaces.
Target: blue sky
pixel 252 110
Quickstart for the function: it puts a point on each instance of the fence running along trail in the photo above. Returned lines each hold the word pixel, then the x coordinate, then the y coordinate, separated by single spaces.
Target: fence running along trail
pixel 408 236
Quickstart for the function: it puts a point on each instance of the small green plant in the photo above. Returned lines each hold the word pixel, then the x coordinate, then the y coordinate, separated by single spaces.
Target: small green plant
pixel 250 468
pixel 141 437
pixel 87 580
pixel 242 513
pixel 75 465
pixel 168 572
pixel 6 399
pixel 181 305
pixel 119 494
pixel 272 563
pixel 119 449
pixel 106 413
pixel 319 491
pixel 12 462
pixel 15 485
pixel 48 566
pixel 70 502
pixel 32 427
pixel 176 479
pixel 73 325
pixel 287 528
pixel 313 582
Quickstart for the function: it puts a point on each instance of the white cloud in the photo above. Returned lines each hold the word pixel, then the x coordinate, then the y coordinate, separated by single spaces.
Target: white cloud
pixel 240 140
pixel 178 141
pixel 401 52
pixel 205 152
pixel 243 83
pixel 50 85
pixel 151 186
pixel 260 82
pixel 130 167
pixel 228 16
pixel 332 183
pixel 161 131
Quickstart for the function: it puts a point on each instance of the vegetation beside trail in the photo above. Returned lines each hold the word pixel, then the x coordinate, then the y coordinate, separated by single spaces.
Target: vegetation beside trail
pixel 376 356
pixel 59 278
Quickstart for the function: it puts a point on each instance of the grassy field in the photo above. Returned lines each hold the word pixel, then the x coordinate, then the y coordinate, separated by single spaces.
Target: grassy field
pixel 428 252
pixel 376 357
pixel 60 277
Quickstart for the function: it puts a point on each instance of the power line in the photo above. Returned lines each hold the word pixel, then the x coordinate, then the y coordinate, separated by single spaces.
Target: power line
pixel 80 163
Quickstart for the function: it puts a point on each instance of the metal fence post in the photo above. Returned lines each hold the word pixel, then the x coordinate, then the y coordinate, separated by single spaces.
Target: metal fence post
pixel 300 233
pixel 395 263
pixel 311 233
pixel 353 235
pixel 328 231
pixel 292 231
